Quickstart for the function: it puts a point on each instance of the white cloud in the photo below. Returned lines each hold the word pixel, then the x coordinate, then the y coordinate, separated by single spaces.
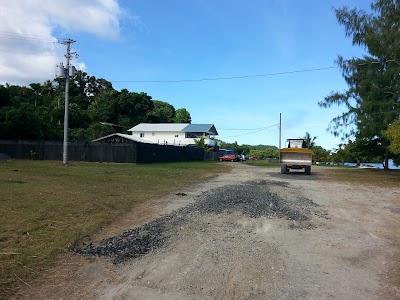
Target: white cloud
pixel 100 17
pixel 27 42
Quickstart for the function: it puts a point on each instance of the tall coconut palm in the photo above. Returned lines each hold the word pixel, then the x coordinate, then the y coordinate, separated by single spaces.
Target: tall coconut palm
pixel 310 141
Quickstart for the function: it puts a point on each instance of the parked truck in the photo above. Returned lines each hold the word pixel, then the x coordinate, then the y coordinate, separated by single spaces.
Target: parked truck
pixel 296 156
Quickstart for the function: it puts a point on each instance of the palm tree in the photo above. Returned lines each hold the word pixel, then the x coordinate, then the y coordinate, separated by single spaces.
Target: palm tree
pixel 310 141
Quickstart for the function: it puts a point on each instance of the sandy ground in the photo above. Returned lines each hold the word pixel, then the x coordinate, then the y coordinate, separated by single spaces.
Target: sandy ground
pixel 351 253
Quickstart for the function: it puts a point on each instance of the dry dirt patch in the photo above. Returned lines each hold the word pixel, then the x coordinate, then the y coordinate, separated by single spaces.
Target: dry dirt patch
pixel 334 241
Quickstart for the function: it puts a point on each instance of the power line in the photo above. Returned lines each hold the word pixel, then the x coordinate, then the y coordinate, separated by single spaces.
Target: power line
pixel 250 76
pixel 28 38
pixel 247 129
pixel 248 133
pixel 227 78
pixel 31 53
pixel 17 36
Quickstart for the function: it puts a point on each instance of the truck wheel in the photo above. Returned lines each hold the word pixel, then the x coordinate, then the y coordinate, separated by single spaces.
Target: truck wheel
pixel 283 169
pixel 308 170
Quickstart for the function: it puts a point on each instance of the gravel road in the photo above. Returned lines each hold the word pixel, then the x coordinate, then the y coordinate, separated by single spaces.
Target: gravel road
pixel 252 199
pixel 251 234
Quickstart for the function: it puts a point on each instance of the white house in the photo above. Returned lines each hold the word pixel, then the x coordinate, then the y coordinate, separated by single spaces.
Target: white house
pixel 177 134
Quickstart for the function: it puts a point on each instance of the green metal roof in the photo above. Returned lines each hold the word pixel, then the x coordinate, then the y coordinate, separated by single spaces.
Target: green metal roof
pixel 209 128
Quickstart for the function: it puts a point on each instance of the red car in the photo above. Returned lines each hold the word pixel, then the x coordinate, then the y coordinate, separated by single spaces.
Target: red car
pixel 229 157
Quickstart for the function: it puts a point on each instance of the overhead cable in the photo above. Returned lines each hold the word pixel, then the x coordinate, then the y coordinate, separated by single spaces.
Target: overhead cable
pixel 227 78
pixel 31 53
pixel 248 133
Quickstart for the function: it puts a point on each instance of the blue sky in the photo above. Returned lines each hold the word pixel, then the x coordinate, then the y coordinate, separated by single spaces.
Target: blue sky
pixel 129 42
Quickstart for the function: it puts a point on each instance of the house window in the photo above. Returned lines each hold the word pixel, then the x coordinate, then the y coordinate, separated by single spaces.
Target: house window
pixel 194 135
pixel 142 134
pixel 176 135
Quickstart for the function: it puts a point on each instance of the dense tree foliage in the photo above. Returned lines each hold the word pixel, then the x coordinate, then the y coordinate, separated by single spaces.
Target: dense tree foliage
pixel 271 152
pixel 393 135
pixel 162 112
pixel 262 151
pixel 310 141
pixel 373 96
pixel 96 109
pixel 321 154
pixel 182 116
pixel 361 150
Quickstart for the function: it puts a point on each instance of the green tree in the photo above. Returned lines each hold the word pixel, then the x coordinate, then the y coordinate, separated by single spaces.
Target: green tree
pixel 27 122
pixel 133 108
pixel 78 118
pixel 24 114
pixel 372 98
pixel 310 141
pixel 263 147
pixel 94 131
pixel 162 112
pixel 339 155
pixel 123 108
pixel 200 143
pixel 83 88
pixel 393 135
pixel 104 107
pixel 36 111
pixel 263 154
pixel 182 116
pixel 361 150
pixel 5 97
pixel 321 154
pixel 243 149
pixel 259 153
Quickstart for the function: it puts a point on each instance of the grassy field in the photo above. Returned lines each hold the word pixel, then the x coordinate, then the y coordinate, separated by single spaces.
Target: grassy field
pixel 372 177
pixel 262 163
pixel 352 175
pixel 46 207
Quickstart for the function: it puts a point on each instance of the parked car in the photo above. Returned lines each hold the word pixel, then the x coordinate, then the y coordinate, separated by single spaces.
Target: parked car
pixel 229 157
pixel 255 158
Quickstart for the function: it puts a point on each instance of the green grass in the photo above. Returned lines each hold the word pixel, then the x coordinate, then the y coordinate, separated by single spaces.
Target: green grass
pixel 46 207
pixel 262 163
pixel 372 177
pixel 351 175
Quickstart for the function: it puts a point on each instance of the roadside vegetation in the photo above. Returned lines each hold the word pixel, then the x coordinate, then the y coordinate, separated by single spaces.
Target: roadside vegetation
pixel 346 174
pixel 36 112
pixel 262 163
pixel 367 177
pixel 45 208
pixel 371 112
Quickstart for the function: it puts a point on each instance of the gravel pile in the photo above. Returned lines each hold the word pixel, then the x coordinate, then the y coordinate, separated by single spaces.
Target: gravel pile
pixel 252 199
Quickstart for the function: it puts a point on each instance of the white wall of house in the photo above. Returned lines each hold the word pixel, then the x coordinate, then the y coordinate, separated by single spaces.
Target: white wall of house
pixel 171 138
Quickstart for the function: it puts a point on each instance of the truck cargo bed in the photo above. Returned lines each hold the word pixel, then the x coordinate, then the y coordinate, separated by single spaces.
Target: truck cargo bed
pixel 296 158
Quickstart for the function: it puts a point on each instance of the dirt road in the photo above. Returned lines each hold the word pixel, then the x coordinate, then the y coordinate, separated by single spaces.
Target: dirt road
pixel 303 237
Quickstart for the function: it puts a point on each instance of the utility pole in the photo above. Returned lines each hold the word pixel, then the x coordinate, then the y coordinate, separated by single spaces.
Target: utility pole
pixel 68 71
pixel 280 130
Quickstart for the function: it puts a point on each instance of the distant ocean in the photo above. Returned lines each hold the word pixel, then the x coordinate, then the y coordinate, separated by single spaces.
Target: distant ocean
pixel 379 165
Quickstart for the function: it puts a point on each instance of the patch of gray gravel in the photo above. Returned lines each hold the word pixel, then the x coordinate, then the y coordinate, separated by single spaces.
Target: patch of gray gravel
pixel 253 199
